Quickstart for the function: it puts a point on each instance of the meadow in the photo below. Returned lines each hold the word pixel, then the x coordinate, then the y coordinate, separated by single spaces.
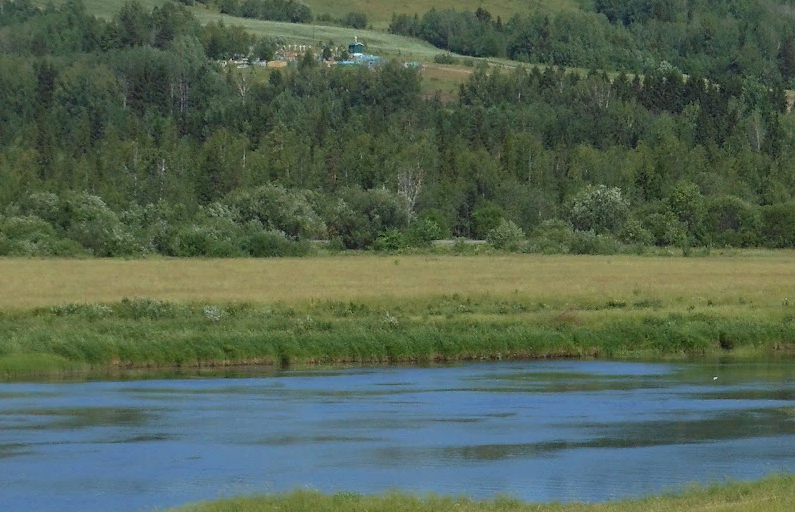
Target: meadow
pixel 772 494
pixel 61 315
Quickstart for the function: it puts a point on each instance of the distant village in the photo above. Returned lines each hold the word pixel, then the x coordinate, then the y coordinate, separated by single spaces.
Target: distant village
pixel 336 56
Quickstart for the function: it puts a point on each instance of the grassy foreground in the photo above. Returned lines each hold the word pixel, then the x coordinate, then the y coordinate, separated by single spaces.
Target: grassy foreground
pixel 62 315
pixel 772 494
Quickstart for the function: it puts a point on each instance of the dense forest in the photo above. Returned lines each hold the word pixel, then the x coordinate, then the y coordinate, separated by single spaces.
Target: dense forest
pixel 129 137
pixel 751 39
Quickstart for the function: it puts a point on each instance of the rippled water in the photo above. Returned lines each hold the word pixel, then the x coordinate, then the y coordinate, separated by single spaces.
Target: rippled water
pixel 537 430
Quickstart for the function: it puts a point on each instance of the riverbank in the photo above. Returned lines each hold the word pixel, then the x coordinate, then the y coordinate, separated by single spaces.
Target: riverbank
pixel 776 493
pixel 366 309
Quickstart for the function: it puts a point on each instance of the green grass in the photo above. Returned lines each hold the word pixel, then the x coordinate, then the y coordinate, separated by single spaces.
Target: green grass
pixel 379 309
pixel 151 333
pixel 773 494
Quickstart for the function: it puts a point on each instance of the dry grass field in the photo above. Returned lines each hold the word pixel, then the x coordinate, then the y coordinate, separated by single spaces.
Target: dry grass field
pixel 763 279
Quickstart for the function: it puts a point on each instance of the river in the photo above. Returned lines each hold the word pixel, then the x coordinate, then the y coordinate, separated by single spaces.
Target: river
pixel 539 431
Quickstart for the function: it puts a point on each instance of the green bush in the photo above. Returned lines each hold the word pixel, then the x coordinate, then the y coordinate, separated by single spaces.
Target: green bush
pixel 358 216
pixel 46 206
pixel 552 236
pixel 445 58
pixel 437 217
pixel 423 232
pixel 778 225
pixel 391 239
pixel 599 209
pixel 633 232
pixel 277 208
pixel 96 227
pixel 486 216
pixel 507 236
pixel 588 242
pixel 665 228
pixel 731 221
pixel 268 243
pixel 214 239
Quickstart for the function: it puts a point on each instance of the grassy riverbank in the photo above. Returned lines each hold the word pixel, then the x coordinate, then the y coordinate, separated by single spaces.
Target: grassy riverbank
pixel 769 495
pixel 387 310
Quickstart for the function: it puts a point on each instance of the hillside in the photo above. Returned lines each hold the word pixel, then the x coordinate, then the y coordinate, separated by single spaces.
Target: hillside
pixel 129 135
pixel 378 12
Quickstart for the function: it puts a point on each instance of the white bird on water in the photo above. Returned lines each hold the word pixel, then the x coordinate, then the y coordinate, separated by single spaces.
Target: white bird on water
pixel 715 378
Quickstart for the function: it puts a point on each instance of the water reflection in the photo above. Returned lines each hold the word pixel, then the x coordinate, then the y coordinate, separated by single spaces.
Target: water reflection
pixel 566 430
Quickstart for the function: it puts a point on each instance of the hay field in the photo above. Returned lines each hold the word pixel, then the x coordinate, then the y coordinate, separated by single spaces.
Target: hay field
pixel 764 279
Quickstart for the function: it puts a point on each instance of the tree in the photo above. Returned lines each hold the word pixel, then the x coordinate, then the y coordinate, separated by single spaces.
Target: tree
pixel 599 209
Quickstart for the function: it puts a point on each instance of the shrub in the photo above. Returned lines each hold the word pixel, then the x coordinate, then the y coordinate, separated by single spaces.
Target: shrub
pixel 506 236
pixel 277 208
pixel 423 232
pixel 438 218
pixel 588 242
pixel 355 20
pixel 268 243
pixel 633 232
pixel 486 217
pixel 96 227
pixel 599 209
pixel 391 239
pixel 359 216
pixel 778 225
pixel 445 58
pixel 214 238
pixel 665 228
pixel 687 204
pixel 44 205
pixel 731 221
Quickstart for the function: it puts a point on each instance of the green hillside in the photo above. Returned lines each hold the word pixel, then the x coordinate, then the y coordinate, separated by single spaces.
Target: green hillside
pixel 378 12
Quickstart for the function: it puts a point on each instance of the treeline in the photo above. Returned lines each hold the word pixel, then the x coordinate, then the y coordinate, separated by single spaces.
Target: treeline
pixel 754 39
pixel 290 11
pixel 126 137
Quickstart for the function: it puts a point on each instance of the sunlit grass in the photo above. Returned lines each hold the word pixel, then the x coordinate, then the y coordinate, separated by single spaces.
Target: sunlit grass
pixel 760 280
pixel 772 494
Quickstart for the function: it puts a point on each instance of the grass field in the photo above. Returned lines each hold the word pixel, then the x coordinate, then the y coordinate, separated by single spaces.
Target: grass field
pixel 61 315
pixel 774 494
pixel 763 279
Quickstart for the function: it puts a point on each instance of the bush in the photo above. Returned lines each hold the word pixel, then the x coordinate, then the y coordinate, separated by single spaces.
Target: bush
pixel 507 236
pixel 267 244
pixel 423 232
pixel 588 242
pixel 277 208
pixel 96 227
pixel 44 205
pixel 633 232
pixel 355 20
pixel 437 217
pixel 486 217
pixel 214 238
pixel 599 209
pixel 359 216
pixel 552 236
pixel 445 58
pixel 778 225
pixel 665 228
pixel 392 239
pixel 731 221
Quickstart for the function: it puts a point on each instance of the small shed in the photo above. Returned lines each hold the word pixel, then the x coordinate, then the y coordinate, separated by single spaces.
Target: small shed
pixel 356 48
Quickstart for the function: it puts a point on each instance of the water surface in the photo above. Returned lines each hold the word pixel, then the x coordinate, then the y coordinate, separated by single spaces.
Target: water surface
pixel 568 430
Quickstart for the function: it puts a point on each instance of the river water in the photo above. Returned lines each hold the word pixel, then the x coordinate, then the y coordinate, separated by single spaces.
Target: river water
pixel 563 430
